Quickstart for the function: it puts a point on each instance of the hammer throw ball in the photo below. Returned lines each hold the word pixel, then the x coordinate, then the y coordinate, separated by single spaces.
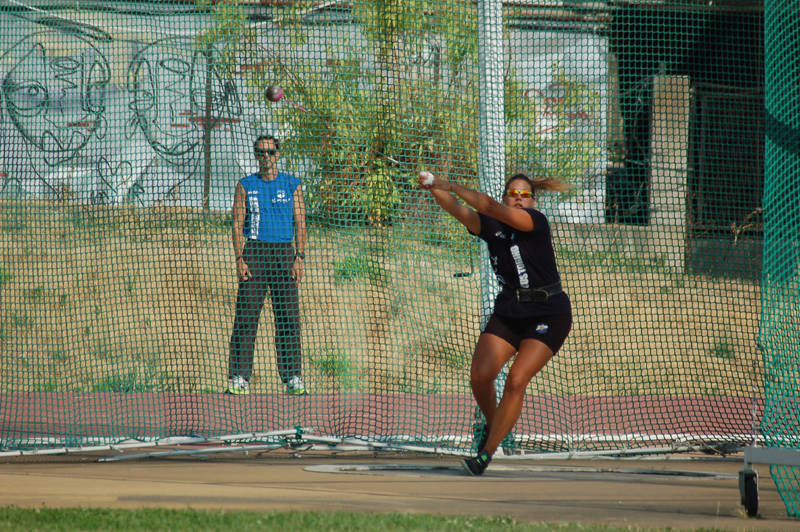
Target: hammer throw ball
pixel 274 93
pixel 427 177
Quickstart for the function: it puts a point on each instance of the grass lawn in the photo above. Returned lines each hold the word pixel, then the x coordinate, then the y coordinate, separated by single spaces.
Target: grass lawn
pixel 32 520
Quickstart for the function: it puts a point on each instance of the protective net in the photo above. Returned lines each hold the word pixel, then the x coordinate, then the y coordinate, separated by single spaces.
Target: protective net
pixel 126 127
pixel 780 299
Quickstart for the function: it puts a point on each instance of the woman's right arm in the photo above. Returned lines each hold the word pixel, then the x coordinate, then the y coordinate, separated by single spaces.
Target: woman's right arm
pixel 458 210
pixel 452 205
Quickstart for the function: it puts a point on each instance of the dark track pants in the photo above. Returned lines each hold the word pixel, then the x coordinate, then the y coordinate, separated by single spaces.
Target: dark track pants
pixel 270 265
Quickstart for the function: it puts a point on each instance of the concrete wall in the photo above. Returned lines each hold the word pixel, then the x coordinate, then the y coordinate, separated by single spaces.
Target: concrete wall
pixel 669 143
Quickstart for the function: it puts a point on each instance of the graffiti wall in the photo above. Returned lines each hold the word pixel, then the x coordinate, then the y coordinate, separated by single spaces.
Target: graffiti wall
pixel 105 113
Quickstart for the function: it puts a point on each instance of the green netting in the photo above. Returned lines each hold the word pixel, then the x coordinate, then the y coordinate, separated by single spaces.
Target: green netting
pixel 126 126
pixel 780 298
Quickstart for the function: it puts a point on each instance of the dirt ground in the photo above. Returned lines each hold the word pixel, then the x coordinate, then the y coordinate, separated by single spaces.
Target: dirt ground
pixel 683 492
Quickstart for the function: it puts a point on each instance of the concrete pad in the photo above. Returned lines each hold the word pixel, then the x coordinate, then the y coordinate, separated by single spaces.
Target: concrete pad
pixel 679 492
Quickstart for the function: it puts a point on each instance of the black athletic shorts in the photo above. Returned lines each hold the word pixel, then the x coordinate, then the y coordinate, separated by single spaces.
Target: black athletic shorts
pixel 552 330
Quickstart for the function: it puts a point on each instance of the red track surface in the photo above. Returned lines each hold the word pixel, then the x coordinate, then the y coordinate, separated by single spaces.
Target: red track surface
pixel 119 416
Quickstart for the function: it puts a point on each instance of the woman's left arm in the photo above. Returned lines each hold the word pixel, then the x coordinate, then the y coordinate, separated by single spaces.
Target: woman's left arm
pixel 517 218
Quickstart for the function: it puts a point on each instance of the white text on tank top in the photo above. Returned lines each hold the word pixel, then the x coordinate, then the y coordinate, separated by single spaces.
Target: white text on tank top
pixel 522 273
pixel 255 216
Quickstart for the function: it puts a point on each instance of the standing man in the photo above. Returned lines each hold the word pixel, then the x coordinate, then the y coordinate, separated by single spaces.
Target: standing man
pixel 269 216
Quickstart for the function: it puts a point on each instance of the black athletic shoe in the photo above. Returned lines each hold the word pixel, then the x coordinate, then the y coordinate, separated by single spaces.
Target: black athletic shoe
pixel 476 466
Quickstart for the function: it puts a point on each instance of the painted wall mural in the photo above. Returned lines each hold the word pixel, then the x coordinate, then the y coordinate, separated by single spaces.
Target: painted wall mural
pixel 70 131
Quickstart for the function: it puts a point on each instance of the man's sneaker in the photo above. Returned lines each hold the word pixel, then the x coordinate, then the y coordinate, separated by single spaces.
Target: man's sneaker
pixel 238 385
pixel 476 466
pixel 295 386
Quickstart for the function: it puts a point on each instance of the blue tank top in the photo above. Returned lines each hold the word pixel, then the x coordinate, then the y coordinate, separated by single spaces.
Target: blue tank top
pixel 269 207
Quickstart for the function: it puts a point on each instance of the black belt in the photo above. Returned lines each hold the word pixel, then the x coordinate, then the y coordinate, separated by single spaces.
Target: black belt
pixel 539 294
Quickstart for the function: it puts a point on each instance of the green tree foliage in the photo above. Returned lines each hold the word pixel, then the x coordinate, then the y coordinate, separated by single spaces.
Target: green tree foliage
pixel 395 96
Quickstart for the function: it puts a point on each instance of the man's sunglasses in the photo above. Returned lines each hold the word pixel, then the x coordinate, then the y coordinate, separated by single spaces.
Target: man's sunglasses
pixel 271 152
pixel 517 193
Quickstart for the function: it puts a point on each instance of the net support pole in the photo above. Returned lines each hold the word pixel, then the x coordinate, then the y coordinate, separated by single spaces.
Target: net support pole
pixel 491 155
pixel 778 336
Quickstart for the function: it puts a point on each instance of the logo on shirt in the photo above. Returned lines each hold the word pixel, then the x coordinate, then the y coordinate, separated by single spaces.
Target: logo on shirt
pixel 542 328
pixel 280 196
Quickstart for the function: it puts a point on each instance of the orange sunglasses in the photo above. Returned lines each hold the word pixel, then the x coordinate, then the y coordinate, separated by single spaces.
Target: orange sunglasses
pixel 517 193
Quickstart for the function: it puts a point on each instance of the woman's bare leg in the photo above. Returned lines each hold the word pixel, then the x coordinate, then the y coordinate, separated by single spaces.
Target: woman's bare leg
pixel 532 357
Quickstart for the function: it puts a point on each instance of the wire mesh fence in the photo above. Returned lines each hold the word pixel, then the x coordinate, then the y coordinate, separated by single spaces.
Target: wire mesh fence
pixel 126 128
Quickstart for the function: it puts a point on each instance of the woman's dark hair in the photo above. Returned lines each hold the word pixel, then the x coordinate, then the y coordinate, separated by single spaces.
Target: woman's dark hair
pixel 545 183
pixel 267 137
